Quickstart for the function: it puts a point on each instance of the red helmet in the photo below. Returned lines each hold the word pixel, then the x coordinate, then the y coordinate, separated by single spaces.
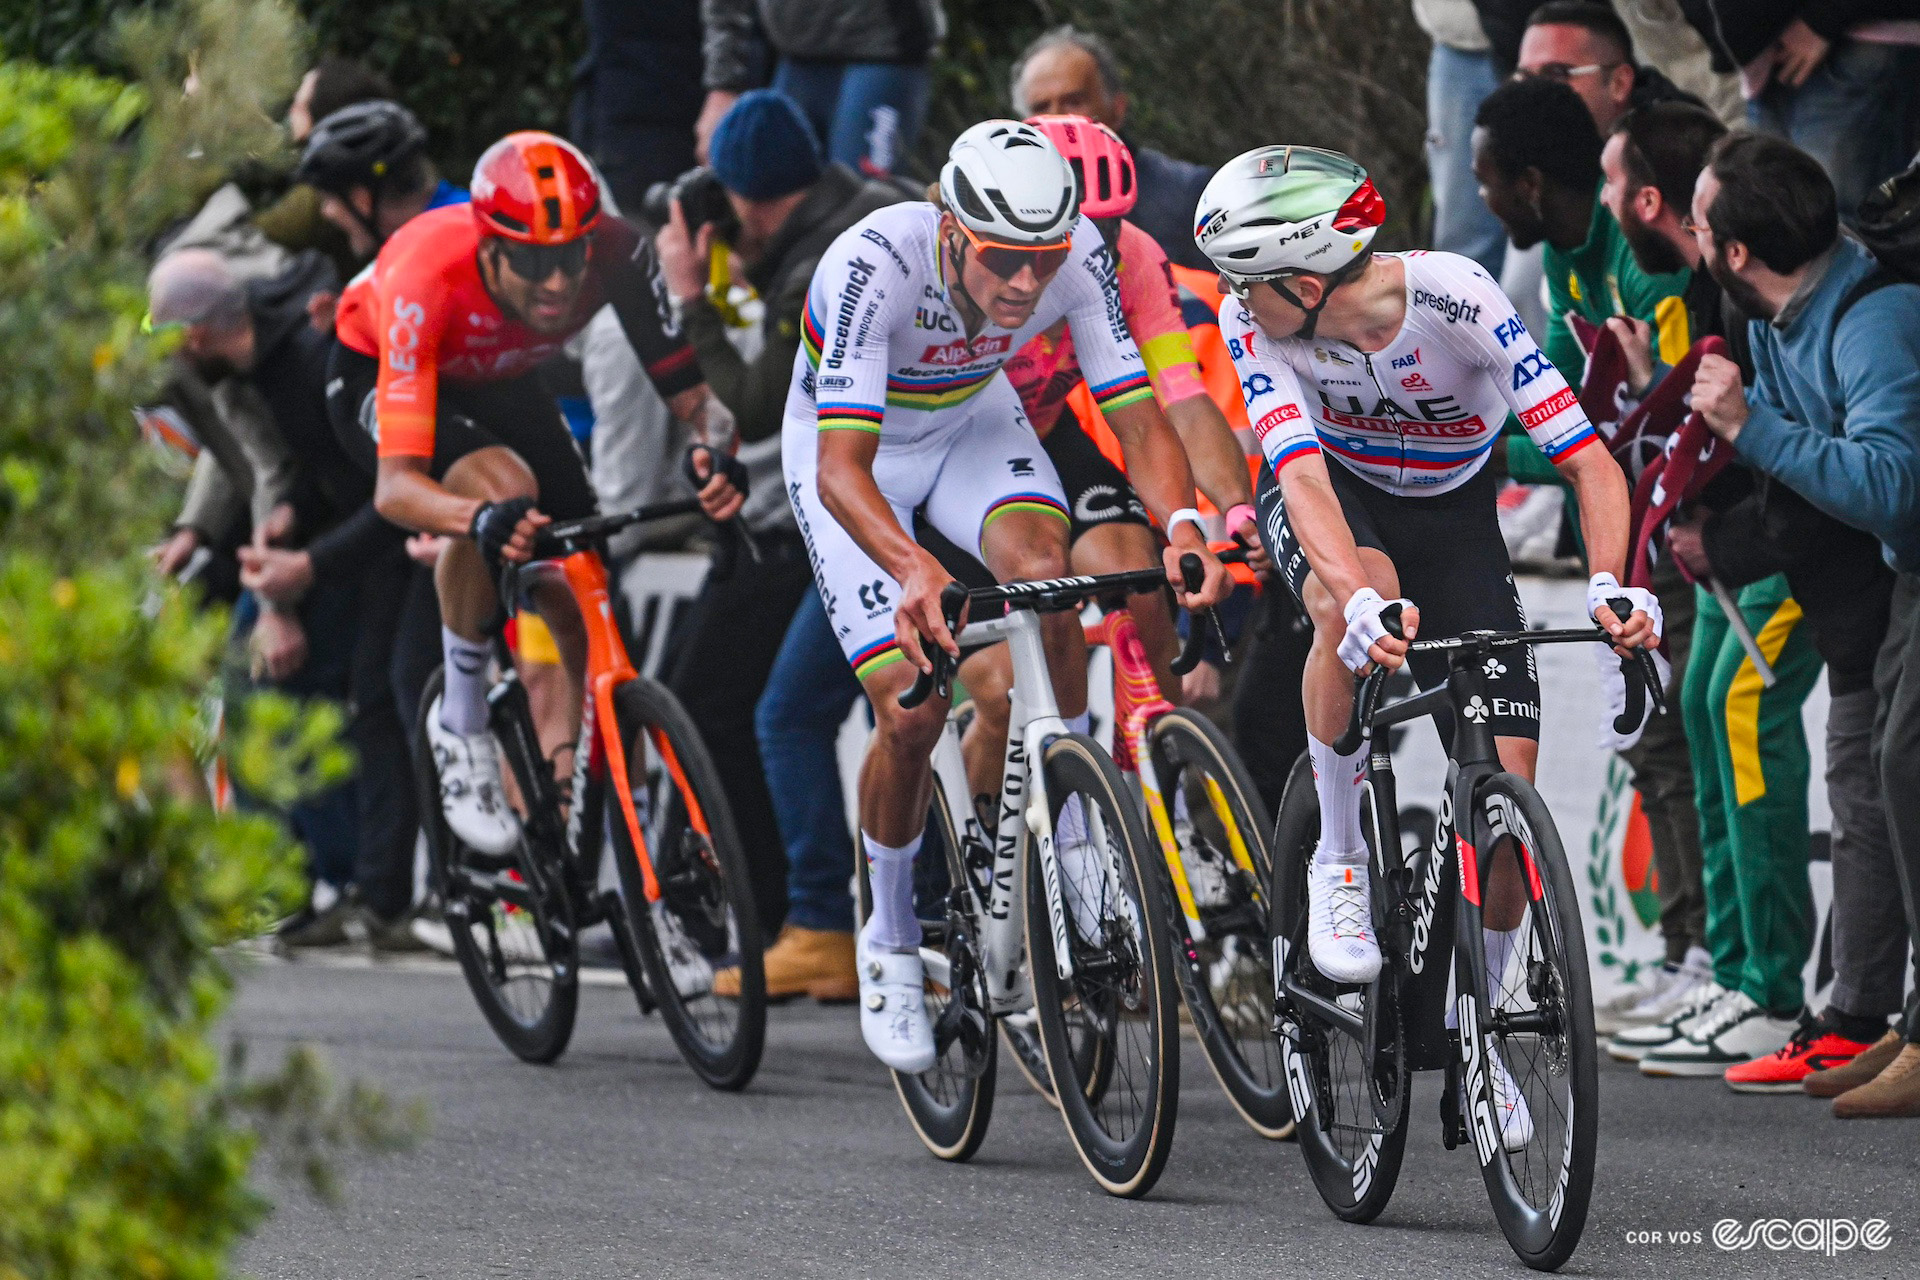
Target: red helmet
pixel 1101 163
pixel 535 188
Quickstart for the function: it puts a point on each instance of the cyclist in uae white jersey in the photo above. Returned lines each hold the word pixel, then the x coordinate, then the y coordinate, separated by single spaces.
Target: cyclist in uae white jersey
pixel 1378 385
pixel 897 404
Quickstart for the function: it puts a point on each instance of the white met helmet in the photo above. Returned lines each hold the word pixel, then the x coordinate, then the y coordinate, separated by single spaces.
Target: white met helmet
pixel 1279 211
pixel 1009 185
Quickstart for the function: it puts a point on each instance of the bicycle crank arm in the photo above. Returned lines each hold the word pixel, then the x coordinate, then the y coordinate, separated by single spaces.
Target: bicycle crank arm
pixel 1305 1000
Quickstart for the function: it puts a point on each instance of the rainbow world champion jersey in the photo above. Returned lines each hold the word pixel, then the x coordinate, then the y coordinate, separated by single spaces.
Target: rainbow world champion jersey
pixel 882 341
pixel 1419 416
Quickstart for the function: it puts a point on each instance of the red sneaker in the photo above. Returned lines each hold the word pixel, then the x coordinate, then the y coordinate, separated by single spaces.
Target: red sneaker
pixel 1814 1047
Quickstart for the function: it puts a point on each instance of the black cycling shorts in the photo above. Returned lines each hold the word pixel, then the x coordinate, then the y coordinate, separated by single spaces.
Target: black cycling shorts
pixel 1452 563
pixel 1097 491
pixel 517 413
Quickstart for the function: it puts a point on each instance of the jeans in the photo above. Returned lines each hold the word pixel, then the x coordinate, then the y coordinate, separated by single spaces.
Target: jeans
pixel 867 114
pixel 808 696
pixel 1854 114
pixel 723 652
pixel 1457 82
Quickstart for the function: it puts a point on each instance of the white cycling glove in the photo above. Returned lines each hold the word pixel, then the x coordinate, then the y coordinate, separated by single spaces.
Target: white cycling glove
pixel 1602 588
pixel 1364 626
pixel 1613 697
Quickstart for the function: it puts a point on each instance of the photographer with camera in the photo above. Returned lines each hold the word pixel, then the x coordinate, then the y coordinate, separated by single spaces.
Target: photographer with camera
pixel 770 200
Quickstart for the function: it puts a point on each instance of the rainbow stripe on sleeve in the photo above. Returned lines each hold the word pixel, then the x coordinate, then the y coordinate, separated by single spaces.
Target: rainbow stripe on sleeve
pixel 881 653
pixel 1127 389
pixel 1045 504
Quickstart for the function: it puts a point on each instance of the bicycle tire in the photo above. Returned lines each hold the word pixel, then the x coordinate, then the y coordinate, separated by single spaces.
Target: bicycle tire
pixel 1127 1163
pixel 950 1105
pixel 1235 959
pixel 532 1013
pixel 1542 1204
pixel 705 892
pixel 1354 1166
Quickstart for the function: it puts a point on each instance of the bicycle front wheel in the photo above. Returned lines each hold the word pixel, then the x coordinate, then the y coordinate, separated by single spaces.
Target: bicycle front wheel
pixel 1531 1060
pixel 1121 987
pixel 704 919
pixel 510 919
pixel 1347 1077
pixel 1218 828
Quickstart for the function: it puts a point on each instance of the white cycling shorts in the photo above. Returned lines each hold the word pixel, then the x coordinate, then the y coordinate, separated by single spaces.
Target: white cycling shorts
pixel 964 472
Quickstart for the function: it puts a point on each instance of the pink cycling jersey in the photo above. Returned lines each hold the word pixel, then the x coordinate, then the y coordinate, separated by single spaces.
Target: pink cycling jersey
pixel 1046 370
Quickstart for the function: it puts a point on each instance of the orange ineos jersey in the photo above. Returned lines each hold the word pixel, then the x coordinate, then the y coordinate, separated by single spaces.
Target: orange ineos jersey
pixel 423 312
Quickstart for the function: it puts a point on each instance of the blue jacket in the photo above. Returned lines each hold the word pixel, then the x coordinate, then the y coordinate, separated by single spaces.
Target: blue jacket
pixel 1836 417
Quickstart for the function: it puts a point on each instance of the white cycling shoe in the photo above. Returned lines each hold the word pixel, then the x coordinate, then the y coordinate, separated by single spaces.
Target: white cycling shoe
pixel 893 1009
pixel 690 972
pixel 1510 1107
pixel 471 794
pixel 1340 936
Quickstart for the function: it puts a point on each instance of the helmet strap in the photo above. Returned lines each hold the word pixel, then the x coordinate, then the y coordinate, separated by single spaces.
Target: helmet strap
pixel 1334 279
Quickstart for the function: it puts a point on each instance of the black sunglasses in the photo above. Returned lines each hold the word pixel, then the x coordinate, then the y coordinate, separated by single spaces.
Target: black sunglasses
pixel 537 262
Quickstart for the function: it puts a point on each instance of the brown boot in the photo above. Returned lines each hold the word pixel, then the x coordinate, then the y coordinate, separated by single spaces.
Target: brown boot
pixel 803 962
pixel 1894 1093
pixel 1835 1081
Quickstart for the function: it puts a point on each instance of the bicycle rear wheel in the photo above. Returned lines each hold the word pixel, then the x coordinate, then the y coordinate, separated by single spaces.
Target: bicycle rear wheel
pixel 1349 1091
pixel 705 918
pixel 1217 823
pixel 950 1104
pixel 511 920
pixel 1536 1025
pixel 1121 989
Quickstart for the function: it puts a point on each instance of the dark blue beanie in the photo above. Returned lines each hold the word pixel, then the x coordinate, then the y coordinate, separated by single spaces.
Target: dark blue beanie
pixel 763 148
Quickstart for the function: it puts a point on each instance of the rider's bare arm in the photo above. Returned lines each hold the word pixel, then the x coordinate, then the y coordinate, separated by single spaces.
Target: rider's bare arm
pixel 1605 513
pixel 1157 465
pixel 1219 465
pixel 406 493
pixel 1313 511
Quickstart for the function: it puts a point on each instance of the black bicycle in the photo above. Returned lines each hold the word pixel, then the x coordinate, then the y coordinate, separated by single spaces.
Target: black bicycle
pixel 1521 1082
pixel 640 778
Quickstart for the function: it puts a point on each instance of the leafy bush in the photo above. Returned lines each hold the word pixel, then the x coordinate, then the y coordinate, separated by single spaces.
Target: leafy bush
pixel 124 1147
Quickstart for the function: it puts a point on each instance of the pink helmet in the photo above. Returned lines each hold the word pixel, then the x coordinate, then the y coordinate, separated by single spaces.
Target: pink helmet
pixel 1102 165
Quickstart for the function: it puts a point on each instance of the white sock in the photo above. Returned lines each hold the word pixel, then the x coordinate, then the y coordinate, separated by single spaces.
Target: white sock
pixel 1336 779
pixel 890 875
pixel 1082 723
pixel 1499 946
pixel 1072 827
pixel 463 703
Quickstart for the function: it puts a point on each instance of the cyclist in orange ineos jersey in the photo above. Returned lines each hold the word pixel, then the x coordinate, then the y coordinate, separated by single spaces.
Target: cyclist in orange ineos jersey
pixel 432 388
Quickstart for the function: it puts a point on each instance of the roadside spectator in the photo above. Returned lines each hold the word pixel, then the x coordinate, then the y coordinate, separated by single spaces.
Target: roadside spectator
pixel 1068 72
pixel 293 221
pixel 328 574
pixel 1667 42
pixel 369 163
pixel 1834 413
pixel 1460 74
pixel 639 92
pixel 1838 80
pixel 787 206
pixel 860 70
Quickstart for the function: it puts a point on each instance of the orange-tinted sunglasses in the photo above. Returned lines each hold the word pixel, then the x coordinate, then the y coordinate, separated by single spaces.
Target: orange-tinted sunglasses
pixel 1005 260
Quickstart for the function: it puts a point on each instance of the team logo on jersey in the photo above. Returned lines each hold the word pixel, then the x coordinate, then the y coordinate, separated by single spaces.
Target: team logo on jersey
pixel 1510 330
pixel 1407 361
pixel 1554 405
pixel 1285 413
pixel 939 321
pixel 954 353
pixel 873 597
pixel 1529 367
pixel 1256 385
pixel 1021 466
pixel 1447 305
pixel 1415 382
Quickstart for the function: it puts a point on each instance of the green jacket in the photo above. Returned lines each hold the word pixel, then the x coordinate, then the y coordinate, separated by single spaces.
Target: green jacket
pixel 756 390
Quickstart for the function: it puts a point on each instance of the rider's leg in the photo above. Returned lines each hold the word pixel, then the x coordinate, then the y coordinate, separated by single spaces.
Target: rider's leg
pixel 1326 691
pixel 1019 545
pixel 988 678
pixel 896 784
pixel 468 595
pixel 1119 548
pixel 1506 899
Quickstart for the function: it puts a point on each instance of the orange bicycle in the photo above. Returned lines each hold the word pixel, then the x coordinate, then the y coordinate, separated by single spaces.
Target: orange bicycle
pixel 642 779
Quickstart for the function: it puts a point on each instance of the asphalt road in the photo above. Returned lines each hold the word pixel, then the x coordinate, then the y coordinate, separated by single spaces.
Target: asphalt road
pixel 617 1162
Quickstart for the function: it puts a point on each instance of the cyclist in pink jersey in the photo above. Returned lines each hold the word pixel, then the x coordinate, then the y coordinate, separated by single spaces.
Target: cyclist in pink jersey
pixel 1110 531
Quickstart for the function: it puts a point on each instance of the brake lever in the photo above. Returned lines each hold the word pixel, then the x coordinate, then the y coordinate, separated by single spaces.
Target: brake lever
pixel 1642 677
pixel 1367 690
pixel 953 603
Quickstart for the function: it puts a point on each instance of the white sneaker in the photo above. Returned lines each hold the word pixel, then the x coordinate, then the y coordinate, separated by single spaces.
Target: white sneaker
pixel 1241 987
pixel 893 1010
pixel 471 795
pixel 1340 923
pixel 1645 1006
pixel 1510 1105
pixel 1694 1003
pixel 1206 870
pixel 1737 1031
pixel 691 972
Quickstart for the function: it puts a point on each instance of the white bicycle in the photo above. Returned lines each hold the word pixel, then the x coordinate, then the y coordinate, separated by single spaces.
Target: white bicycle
pixel 1055 910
